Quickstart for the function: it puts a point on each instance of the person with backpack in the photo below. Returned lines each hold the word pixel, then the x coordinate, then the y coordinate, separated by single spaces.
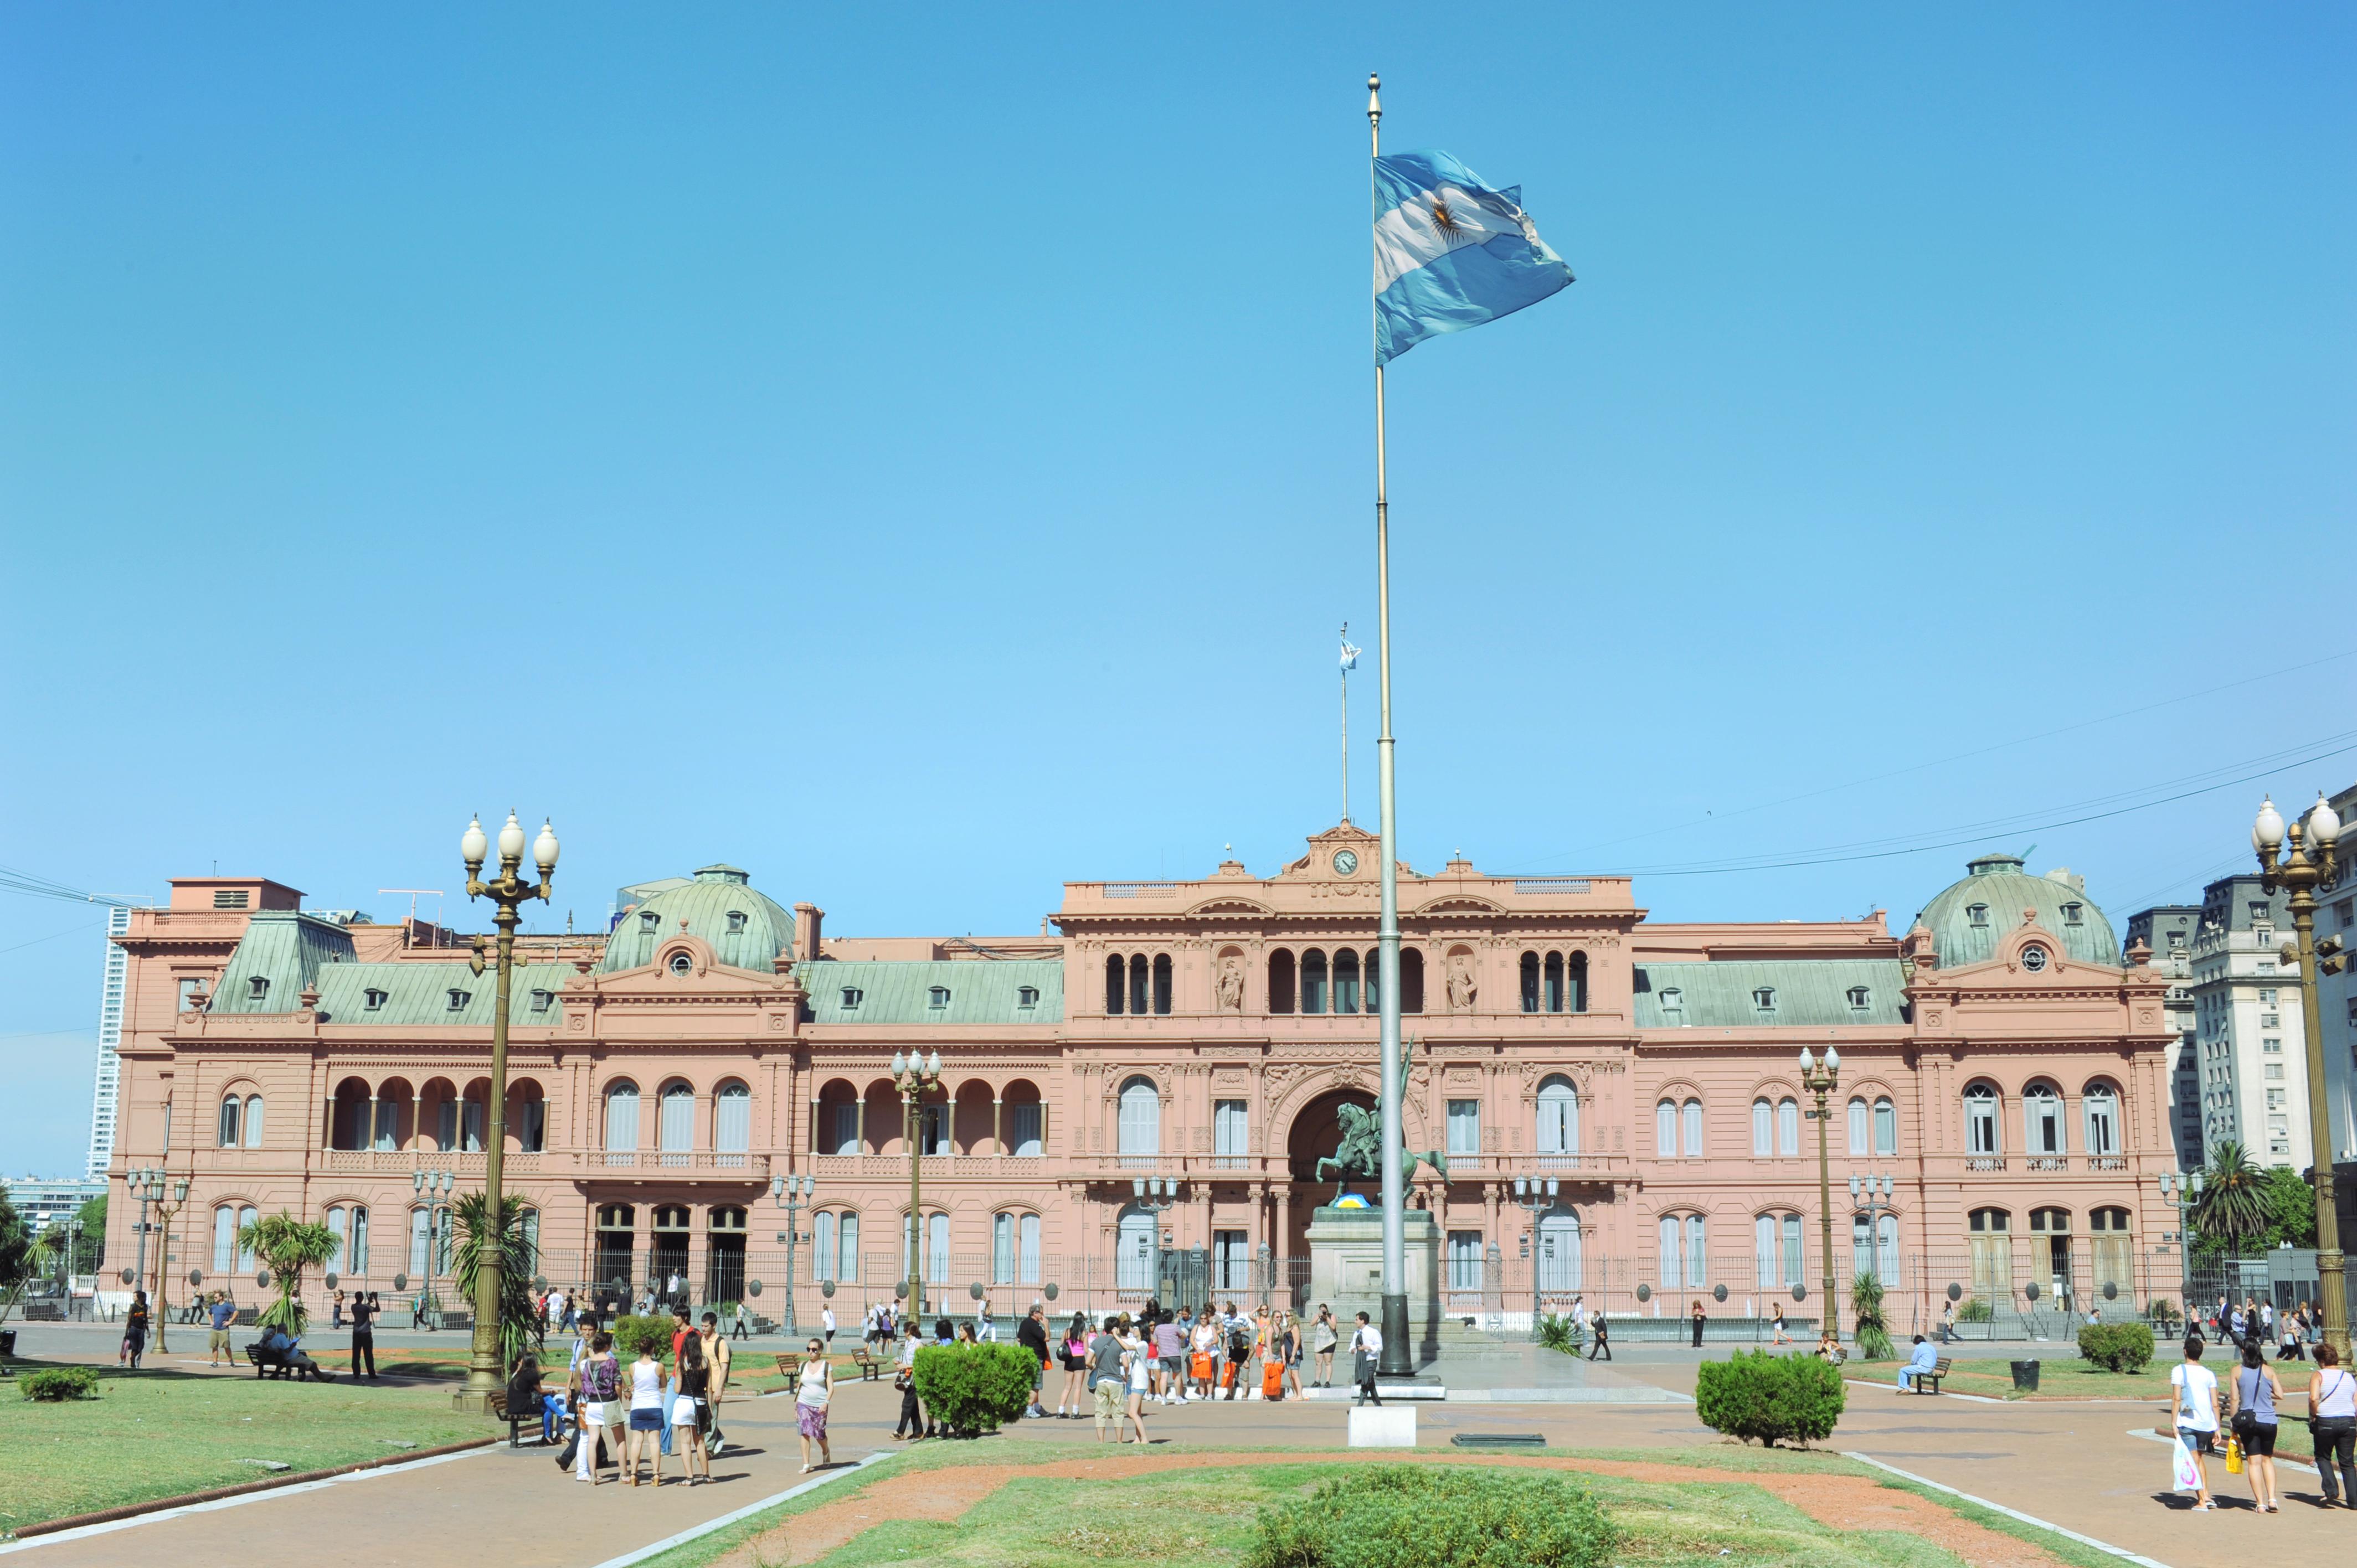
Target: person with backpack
pixel 1105 1378
pixel 2333 1421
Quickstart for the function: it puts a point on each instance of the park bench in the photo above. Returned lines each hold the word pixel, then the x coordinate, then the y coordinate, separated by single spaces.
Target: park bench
pixel 1938 1371
pixel 269 1363
pixel 517 1420
pixel 871 1369
pixel 44 1312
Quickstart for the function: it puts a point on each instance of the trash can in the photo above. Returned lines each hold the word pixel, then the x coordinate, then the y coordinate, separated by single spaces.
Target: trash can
pixel 7 1343
pixel 2025 1376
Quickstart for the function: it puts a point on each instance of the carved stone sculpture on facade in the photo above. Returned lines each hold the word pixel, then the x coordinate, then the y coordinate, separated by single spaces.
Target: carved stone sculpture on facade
pixel 1462 990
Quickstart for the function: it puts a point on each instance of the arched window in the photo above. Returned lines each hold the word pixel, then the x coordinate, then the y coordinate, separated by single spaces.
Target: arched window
pixel 224 1238
pixel 822 1244
pixel 1002 1248
pixel 621 1122
pixel 356 1244
pixel 1886 1126
pixel 1859 1127
pixel 1992 1247
pixel 1763 1130
pixel 1551 984
pixel 471 1112
pixel 1776 1249
pixel 1764 1250
pixel 245 1217
pixel 1346 982
pixel 1559 1251
pixel 1133 1264
pixel 1980 1119
pixel 1685 1253
pixel 232 1111
pixel 1027 1249
pixel 1578 967
pixel 1869 1258
pixel 2102 1114
pixel 1141 1121
pixel 1117 986
pixel 1672 1262
pixel 676 1129
pixel 1558 1127
pixel 1370 988
pixel 1665 1131
pixel 937 1259
pixel 1313 981
pixel 1693 1139
pixel 2041 1118
pixel 1280 981
pixel 1411 964
pixel 1162 982
pixel 732 1123
pixel 2114 1255
pixel 531 1120
pixel 1530 982
pixel 1788 1128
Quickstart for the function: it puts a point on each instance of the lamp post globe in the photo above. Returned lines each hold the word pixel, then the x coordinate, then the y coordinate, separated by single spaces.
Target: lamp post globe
pixel 473 845
pixel 544 848
pixel 2267 828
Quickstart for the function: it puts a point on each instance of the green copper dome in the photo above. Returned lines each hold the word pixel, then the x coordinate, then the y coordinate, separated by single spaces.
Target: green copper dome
pixel 746 930
pixel 1968 920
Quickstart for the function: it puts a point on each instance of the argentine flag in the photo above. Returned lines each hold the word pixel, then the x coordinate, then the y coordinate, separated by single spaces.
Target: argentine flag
pixel 1451 252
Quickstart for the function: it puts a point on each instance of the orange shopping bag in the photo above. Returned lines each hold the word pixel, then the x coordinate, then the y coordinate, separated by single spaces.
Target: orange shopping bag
pixel 1201 1370
pixel 1271 1381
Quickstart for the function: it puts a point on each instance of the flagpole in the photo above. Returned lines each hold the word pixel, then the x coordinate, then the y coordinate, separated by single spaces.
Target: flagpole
pixel 1394 1360
pixel 1345 663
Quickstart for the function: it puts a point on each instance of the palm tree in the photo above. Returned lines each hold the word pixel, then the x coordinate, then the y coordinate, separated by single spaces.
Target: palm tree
pixel 1865 1305
pixel 519 1315
pixel 2232 1208
pixel 287 1246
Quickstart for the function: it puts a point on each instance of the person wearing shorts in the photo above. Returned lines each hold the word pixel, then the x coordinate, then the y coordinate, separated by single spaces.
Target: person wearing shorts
pixel 2196 1392
pixel 1170 1360
pixel 222 1314
pixel 1105 1379
pixel 688 1407
pixel 647 1411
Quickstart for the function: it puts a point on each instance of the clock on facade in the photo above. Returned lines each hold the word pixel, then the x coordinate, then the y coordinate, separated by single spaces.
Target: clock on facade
pixel 2033 958
pixel 1346 861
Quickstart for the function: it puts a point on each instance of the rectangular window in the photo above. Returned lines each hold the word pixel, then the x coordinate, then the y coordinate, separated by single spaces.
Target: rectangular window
pixel 1230 1134
pixel 934 1130
pixel 1673 1254
pixel 1002 1248
pixel 1764 1248
pixel 822 1244
pixel 1665 1131
pixel 533 1134
pixel 1791 1250
pixel 847 1129
pixel 1788 1128
pixel 2274 1069
pixel 1886 1127
pixel 1763 1130
pixel 1697 1254
pixel 847 1249
pixel 1693 1129
pixel 1465 1260
pixel 1464 1126
pixel 1857 1125
pixel 1230 1264
pixel 1027 1130
pixel 1027 1261
pixel 2271 1045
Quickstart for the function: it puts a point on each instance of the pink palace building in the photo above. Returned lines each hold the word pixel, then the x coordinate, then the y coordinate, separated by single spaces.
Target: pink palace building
pixel 2003 1064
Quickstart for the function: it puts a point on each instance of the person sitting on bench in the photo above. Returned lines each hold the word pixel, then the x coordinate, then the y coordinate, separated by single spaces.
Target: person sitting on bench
pixel 279 1347
pixel 1925 1360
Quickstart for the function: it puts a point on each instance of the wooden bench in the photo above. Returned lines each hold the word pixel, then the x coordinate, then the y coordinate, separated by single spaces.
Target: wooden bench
pixel 1938 1371
pixel 871 1367
pixel 516 1420
pixel 268 1364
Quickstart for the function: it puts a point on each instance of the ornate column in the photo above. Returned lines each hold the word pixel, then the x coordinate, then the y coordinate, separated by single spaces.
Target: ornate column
pixel 997 1144
pixel 1284 1223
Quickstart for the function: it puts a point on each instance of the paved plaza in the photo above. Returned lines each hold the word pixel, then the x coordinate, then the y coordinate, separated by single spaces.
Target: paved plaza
pixel 2091 1467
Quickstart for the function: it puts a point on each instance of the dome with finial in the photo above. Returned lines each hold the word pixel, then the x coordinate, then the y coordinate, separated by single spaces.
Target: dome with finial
pixel 1969 918
pixel 745 928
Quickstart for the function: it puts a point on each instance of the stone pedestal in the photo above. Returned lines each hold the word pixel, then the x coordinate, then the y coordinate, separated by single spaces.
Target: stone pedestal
pixel 1346 1272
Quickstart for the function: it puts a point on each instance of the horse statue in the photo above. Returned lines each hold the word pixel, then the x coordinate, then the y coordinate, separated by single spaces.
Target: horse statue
pixel 1358 1154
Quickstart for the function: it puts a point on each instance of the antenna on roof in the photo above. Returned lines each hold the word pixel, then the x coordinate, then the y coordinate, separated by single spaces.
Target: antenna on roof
pixel 414 894
pixel 2027 852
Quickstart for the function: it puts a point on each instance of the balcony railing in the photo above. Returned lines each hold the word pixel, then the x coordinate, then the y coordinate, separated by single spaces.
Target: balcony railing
pixel 400 1161
pixel 2050 1161
pixel 1984 1161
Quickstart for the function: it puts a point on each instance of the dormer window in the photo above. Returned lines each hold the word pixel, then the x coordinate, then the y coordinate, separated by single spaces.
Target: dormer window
pixel 940 995
pixel 1027 996
pixel 1764 998
pixel 1976 913
pixel 851 994
pixel 1674 999
pixel 1859 996
pixel 372 1000
pixel 2074 914
pixel 541 1001
pixel 649 921
pixel 681 963
pixel 459 1000
pixel 736 922
pixel 258 987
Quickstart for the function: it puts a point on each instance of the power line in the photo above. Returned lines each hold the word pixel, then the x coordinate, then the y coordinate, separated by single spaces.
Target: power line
pixel 34 886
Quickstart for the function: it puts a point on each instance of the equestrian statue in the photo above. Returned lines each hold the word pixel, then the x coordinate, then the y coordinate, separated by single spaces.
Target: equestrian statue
pixel 1358 1154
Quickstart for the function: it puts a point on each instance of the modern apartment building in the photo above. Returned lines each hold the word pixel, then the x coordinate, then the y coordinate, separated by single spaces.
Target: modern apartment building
pixel 2250 1045
pixel 106 1091
pixel 2168 930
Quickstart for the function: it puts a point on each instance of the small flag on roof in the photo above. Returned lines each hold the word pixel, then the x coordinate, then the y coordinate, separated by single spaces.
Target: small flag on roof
pixel 1450 251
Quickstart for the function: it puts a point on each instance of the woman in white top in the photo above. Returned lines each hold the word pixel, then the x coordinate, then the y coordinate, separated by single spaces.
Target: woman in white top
pixel 645 1435
pixel 2197 1415
pixel 814 1385
pixel 2332 1418
pixel 1137 1366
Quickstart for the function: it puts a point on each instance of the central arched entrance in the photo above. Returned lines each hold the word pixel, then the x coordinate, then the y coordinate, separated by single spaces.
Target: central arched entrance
pixel 1317 1128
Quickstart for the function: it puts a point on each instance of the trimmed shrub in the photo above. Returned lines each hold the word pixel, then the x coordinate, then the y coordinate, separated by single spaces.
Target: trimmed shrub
pixel 976 1388
pixel 1557 1331
pixel 59 1383
pixel 1443 1516
pixel 2117 1347
pixel 1755 1395
pixel 652 1333
pixel 1975 1309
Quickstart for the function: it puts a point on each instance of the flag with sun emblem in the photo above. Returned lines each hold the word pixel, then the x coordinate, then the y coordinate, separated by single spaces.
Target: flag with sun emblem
pixel 1450 251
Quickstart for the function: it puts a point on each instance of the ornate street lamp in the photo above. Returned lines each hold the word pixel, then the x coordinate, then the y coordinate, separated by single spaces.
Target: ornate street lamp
pixel 1156 1195
pixel 1533 1194
pixel 1864 1190
pixel 1821 1082
pixel 147 1185
pixel 789 1193
pixel 165 1212
pixel 2185 1192
pixel 2310 864
pixel 508 892
pixel 912 1075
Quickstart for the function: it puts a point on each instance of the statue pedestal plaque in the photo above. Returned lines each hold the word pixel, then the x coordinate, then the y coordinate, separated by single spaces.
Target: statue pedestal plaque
pixel 1346 1272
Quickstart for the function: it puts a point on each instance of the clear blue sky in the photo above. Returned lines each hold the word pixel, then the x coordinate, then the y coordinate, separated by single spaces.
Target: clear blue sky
pixel 923 457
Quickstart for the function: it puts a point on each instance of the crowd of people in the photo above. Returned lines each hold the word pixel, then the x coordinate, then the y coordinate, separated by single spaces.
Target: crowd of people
pixel 2245 1409
pixel 656 1407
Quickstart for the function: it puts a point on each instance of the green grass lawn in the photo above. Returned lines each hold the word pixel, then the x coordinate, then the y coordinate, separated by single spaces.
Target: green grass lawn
pixel 2066 1376
pixel 1205 1518
pixel 159 1434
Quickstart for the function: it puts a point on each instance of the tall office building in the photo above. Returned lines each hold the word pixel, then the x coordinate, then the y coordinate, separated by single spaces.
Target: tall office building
pixel 2168 930
pixel 2247 1009
pixel 109 1041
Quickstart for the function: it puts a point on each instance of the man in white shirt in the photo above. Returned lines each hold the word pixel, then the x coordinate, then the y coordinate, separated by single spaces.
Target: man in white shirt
pixel 2196 1389
pixel 1367 1353
pixel 827 1317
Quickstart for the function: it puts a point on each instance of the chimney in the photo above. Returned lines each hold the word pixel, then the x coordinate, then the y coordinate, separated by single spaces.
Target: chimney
pixel 806 922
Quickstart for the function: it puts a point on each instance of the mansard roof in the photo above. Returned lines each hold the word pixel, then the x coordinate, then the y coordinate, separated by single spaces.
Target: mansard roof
pixel 290 952
pixel 1806 992
pixel 980 991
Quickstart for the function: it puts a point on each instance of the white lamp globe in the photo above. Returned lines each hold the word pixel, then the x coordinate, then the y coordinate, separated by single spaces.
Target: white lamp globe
pixel 472 844
pixel 512 839
pixel 934 1066
pixel 1808 1062
pixel 544 848
pixel 1832 1058
pixel 2267 829
pixel 2323 823
pixel 899 1063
